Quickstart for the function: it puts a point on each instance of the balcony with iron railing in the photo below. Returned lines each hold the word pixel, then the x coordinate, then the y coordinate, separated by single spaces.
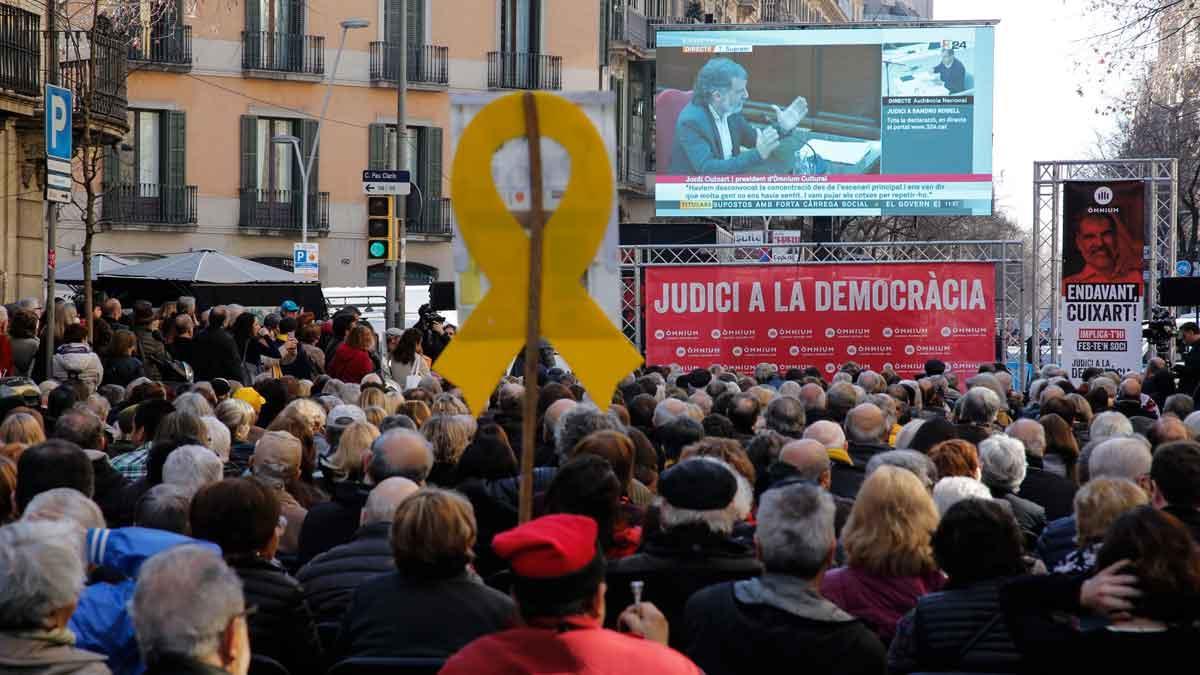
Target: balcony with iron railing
pixel 628 29
pixel 163 47
pixel 280 211
pixel 98 84
pixel 524 70
pixel 435 219
pixel 149 206
pixel 20 52
pixel 283 55
pixel 427 64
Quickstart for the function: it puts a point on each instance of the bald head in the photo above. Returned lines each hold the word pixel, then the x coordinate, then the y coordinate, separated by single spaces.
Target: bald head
pixel 826 433
pixel 865 423
pixel 385 498
pixel 810 459
pixel 667 410
pixel 403 453
pixel 553 413
pixel 1031 433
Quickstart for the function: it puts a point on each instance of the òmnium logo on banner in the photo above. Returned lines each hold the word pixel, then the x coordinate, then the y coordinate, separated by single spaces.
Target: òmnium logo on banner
pixel 972 331
pixel 660 334
pixel 1104 195
pixel 887 331
pixel 817 349
pixel 851 350
pixel 907 332
pixel 869 350
pixel 910 350
pixel 718 333
pixel 829 367
pixel 829 332
pixel 676 334
pixel 756 350
pixel 737 351
pixel 697 351
pixel 793 351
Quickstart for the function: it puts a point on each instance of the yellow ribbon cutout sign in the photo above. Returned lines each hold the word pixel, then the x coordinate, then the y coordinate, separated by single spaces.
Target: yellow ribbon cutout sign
pixel 597 352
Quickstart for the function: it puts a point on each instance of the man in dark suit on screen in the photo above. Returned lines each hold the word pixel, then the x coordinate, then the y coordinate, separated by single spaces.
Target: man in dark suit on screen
pixel 711 131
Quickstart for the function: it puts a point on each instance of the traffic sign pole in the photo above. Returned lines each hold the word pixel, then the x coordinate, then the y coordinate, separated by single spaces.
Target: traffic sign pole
pixel 54 149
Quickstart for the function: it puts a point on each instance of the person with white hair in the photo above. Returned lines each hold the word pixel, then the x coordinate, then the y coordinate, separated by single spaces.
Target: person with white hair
pixel 189 613
pixel 907 433
pixel 1004 465
pixel 41 577
pixel 1192 422
pixel 1109 424
pixel 796 542
pixel 219 439
pixel 977 413
pixel 790 389
pixel 1053 492
pixel 917 463
pixel 330 579
pixel 667 410
pixel 191 467
pixel 194 403
pixel 66 505
pixel 953 489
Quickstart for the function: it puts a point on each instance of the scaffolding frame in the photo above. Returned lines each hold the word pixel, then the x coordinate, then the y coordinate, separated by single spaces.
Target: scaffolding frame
pixel 1012 316
pixel 1161 176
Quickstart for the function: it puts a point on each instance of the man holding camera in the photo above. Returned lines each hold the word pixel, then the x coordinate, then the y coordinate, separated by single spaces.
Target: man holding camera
pixel 1189 372
pixel 433 333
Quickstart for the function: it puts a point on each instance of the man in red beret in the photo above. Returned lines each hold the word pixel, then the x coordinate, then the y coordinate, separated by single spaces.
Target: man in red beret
pixel 558 584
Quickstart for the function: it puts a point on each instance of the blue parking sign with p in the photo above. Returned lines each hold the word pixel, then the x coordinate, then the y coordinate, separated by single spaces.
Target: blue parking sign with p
pixel 58 122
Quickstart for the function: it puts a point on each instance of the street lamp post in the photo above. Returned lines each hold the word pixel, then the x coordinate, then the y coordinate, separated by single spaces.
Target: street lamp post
pixel 306 164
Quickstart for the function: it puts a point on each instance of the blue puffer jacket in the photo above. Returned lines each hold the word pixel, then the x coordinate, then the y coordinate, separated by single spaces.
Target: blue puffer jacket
pixel 1057 540
pixel 101 621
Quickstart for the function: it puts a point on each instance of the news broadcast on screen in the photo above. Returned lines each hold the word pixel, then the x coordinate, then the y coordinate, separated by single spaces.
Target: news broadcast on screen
pixel 813 121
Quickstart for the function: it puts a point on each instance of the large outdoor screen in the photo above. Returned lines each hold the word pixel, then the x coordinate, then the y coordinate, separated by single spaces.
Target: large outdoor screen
pixel 824 121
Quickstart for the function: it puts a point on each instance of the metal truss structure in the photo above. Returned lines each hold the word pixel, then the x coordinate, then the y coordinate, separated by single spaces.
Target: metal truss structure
pixel 1012 316
pixel 1161 178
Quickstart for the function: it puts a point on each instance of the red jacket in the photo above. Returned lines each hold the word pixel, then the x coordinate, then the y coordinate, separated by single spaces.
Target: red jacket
pixel 878 600
pixel 350 364
pixel 585 649
pixel 6 362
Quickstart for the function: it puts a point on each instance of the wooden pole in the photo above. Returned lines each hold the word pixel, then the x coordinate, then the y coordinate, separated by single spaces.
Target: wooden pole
pixel 533 325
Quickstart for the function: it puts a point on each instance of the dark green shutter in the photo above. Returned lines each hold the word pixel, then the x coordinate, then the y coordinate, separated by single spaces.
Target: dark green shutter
pixel 308 138
pixel 377 154
pixel 391 20
pixel 175 167
pixel 416 23
pixel 248 199
pixel 431 162
pixel 296 15
pixel 617 85
pixel 112 166
pixel 253 18
pixel 606 10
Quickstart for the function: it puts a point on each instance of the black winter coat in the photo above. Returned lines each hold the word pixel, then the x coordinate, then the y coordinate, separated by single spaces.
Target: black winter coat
pixel 1052 492
pixel 282 628
pixel 334 522
pixel 221 357
pixel 1030 516
pixel 393 615
pixel 674 564
pixel 958 630
pixel 331 578
pixel 730 637
pixel 152 351
pixel 123 370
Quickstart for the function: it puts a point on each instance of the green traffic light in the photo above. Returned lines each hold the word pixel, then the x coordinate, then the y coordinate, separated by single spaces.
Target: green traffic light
pixel 377 249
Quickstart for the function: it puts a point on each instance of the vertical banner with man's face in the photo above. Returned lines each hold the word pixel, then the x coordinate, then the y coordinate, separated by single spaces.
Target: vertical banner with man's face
pixel 1102 286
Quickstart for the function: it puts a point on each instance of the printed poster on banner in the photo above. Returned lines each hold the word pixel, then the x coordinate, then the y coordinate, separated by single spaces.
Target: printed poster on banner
pixel 793 238
pixel 751 242
pixel 821 316
pixel 1102 285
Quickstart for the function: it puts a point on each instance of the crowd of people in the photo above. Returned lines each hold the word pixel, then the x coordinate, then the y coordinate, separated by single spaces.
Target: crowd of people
pixel 206 492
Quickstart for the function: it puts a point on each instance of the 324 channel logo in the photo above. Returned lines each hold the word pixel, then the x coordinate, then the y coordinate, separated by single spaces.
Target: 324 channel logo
pixel 954 44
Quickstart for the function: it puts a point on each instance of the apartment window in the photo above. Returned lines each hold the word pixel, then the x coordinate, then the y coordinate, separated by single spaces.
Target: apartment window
pixel 151 154
pixel 271 168
pixel 274 167
pixel 414 22
pixel 275 16
pixel 424 161
pixel 520 26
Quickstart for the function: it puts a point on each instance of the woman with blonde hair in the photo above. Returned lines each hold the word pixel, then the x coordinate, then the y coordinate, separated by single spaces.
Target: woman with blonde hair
pixel 1098 504
pixel 346 462
pixel 371 396
pixel 417 411
pixel 889 551
pixel 21 428
pixel 449 435
pixel 448 404
pixel 375 415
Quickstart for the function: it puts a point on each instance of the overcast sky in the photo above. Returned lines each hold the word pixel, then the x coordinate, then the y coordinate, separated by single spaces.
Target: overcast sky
pixel 1038 114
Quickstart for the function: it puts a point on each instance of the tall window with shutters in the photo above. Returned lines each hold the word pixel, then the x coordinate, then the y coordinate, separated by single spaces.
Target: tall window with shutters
pixel 428 212
pixel 271 183
pixel 145 174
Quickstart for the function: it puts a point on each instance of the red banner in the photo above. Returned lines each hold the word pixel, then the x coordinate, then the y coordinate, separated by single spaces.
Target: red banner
pixel 822 316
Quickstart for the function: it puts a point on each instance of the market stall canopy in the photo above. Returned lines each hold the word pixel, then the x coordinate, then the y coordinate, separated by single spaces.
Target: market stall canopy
pixel 102 263
pixel 208 267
